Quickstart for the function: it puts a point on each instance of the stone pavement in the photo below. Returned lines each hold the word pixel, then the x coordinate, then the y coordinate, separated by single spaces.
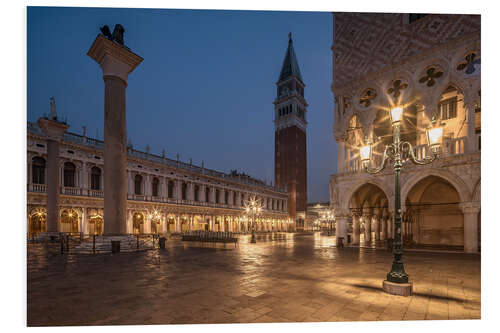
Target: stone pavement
pixel 300 279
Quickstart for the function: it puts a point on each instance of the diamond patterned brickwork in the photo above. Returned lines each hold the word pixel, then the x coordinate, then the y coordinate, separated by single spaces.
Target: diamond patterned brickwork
pixel 365 43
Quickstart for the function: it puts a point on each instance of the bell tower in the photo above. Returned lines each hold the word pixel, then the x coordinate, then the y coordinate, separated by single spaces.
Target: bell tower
pixel 290 155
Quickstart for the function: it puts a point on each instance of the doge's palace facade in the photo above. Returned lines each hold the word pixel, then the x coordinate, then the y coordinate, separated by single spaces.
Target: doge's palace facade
pixel 429 64
pixel 164 195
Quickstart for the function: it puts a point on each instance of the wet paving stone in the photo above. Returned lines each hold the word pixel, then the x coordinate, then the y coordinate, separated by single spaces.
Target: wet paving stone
pixel 295 279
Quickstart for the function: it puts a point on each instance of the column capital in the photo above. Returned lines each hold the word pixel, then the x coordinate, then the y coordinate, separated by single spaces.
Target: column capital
pixel 470 207
pixel 113 58
pixel 356 212
pixel 53 129
pixel 342 213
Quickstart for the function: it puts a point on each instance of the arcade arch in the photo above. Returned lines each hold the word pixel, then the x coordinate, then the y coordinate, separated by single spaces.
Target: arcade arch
pixel 433 215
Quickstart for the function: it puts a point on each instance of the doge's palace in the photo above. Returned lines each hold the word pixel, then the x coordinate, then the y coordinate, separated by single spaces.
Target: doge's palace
pixel 430 65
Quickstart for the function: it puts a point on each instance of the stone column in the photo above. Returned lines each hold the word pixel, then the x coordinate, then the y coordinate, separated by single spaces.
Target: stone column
pixel 177 223
pixel 201 194
pixel 376 223
pixel 470 211
pixel 383 236
pixel 116 62
pixel 367 219
pixel 340 154
pixel 54 130
pixel 85 178
pixel 190 192
pixel 211 195
pixel 178 189
pixel 355 227
pixel 341 218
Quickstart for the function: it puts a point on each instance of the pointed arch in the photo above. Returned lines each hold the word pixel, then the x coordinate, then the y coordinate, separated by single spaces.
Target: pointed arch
pixel 453 179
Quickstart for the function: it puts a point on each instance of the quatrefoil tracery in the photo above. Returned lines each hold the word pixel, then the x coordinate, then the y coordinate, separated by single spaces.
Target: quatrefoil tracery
pixel 367 97
pixel 471 60
pixel 397 86
pixel 430 78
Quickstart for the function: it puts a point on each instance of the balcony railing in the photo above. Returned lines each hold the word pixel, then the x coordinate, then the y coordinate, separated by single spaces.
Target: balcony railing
pixel 96 193
pixel 71 190
pixel 37 188
pixel 455 146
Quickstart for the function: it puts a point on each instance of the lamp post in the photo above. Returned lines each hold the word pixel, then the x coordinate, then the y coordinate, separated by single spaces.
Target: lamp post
pixel 397 279
pixel 253 206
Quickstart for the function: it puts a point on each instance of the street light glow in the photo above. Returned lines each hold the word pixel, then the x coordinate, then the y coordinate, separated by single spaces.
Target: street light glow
pixel 434 136
pixel 396 114
pixel 365 152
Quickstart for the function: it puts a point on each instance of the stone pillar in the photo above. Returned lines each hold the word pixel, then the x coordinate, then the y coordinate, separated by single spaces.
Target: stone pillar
pixel 54 130
pixel 85 178
pixel 355 227
pixel 367 219
pixel 177 223
pixel 211 196
pixel 201 195
pixel 470 211
pixel 116 62
pixel 190 191
pixel 178 189
pixel 340 155
pixel 341 218
pixel 383 236
pixel 376 223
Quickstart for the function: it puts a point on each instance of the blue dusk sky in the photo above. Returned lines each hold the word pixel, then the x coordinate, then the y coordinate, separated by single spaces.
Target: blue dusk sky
pixel 205 88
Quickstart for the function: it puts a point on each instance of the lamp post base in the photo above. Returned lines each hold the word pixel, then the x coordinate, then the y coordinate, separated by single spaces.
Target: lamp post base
pixel 253 239
pixel 401 289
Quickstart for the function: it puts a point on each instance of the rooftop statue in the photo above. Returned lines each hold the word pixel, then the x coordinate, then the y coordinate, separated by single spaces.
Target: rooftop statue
pixel 53 114
pixel 117 35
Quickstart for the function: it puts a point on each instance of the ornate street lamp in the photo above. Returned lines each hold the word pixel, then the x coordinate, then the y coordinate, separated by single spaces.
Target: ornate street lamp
pixel 393 152
pixel 253 206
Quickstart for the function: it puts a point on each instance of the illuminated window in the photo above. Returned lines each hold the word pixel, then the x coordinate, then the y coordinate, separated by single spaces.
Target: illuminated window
pixel 448 108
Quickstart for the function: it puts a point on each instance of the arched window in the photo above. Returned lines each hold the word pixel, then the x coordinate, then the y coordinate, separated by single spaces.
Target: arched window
pixel 207 194
pixel 38 170
pixel 217 196
pixel 95 178
pixel 138 184
pixel 69 174
pixel 170 189
pixel 184 191
pixel 156 183
pixel 234 198
pixel 226 197
pixel 196 193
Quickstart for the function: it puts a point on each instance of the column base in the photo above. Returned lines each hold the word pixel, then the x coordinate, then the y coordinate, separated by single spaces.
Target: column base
pixel 401 289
